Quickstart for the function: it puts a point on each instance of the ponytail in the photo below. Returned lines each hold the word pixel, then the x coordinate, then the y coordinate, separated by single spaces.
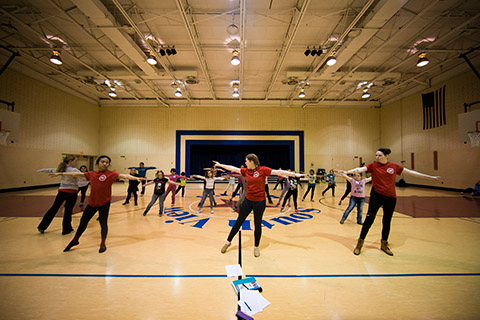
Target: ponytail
pixel 62 166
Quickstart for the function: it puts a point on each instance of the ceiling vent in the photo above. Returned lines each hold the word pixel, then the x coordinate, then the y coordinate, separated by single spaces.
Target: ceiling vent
pixel 292 81
pixel 191 80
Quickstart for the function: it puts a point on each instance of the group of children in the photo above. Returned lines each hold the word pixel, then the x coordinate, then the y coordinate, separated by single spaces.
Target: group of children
pixel 74 181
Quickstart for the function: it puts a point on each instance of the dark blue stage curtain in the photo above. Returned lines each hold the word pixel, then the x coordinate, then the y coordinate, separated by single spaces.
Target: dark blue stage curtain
pixel 273 156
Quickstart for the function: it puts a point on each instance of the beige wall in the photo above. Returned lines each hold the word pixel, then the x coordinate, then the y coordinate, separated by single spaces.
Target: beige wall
pixel 402 131
pixel 332 136
pixel 54 122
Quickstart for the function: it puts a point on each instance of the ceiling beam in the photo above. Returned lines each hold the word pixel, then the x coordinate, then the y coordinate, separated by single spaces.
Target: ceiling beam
pixel 290 36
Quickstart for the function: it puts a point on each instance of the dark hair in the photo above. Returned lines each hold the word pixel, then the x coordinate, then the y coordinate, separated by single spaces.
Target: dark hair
pixel 173 170
pixel 253 157
pixel 182 173
pixel 142 163
pixel 62 166
pixel 311 170
pixel 208 172
pixel 160 171
pixel 385 151
pixel 101 157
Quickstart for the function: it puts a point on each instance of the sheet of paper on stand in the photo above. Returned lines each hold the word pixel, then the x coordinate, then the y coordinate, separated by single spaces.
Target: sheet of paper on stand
pixel 234 270
pixel 252 302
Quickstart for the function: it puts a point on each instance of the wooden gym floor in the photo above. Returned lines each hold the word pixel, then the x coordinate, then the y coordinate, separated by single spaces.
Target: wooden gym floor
pixel 170 267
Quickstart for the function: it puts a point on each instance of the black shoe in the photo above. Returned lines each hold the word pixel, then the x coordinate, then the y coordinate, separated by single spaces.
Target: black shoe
pixel 145 213
pixel 67 232
pixel 40 230
pixel 125 203
pixel 102 249
pixel 70 245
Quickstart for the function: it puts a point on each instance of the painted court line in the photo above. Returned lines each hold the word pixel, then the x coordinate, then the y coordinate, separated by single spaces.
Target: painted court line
pixel 386 275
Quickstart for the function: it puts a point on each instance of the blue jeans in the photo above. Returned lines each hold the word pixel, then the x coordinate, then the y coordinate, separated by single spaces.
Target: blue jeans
pixel 354 201
pixel 154 199
pixel 207 193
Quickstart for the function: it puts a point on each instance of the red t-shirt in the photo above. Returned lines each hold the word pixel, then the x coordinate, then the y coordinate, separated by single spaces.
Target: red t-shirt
pixel 101 186
pixel 383 177
pixel 256 182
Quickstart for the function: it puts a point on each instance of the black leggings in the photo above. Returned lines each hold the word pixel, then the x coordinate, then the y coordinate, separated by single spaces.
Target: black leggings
pixel 69 199
pixel 347 191
pixel 88 213
pixel 310 187
pixel 247 206
pixel 83 193
pixel 330 186
pixel 290 193
pixel 376 201
pixel 182 188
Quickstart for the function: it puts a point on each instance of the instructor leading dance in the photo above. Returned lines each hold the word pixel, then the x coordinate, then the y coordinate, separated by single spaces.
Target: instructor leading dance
pixel 254 198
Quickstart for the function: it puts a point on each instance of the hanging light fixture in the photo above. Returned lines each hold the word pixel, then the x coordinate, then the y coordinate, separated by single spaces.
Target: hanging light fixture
pixel 314 52
pixel 302 93
pixel 55 58
pixel 162 52
pixel 307 52
pixel 174 52
pixel 151 59
pixel 365 94
pixel 235 59
pixel 422 61
pixel 178 93
pixel 331 60
pixel 112 94
pixel 235 93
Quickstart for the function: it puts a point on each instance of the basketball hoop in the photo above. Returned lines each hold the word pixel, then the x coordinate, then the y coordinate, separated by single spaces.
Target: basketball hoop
pixel 474 138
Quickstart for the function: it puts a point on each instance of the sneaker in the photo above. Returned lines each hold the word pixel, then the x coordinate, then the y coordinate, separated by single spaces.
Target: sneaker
pixel 342 221
pixel 312 200
pixel 136 204
pixel 125 203
pixel 256 252
pixel 225 247
pixel 211 211
pixel 81 204
pixel 296 210
pixel 360 223
pixel 41 230
pixel 145 213
pixel 234 210
pixel 277 204
pixel 303 200
pixel 340 202
pixel 283 209
pixel 160 214
pixel 199 210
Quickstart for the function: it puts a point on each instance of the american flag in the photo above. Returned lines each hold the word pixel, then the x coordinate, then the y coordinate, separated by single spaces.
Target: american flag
pixel 434 109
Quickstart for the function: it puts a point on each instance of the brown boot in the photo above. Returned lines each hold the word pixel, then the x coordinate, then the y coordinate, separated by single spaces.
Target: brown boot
pixel 385 248
pixel 358 248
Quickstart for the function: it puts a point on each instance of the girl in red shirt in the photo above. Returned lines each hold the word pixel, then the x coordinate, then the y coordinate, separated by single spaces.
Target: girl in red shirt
pixel 382 194
pixel 100 196
pixel 254 198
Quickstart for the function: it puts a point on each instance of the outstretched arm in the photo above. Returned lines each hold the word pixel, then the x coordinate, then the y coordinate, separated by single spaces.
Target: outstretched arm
pixel 129 177
pixel 198 177
pixel 68 174
pixel 342 174
pixel 419 174
pixel 227 167
pixel 287 173
pixel 359 170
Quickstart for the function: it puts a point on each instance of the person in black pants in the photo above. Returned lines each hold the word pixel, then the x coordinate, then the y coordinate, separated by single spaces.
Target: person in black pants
pixel 254 198
pixel 382 194
pixel 67 192
pixel 132 188
pixel 100 197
